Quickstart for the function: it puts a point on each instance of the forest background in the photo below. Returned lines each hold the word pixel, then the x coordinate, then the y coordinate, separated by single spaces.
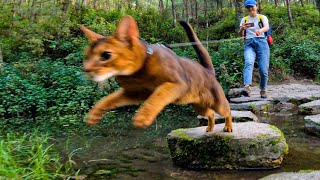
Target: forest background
pixel 41 50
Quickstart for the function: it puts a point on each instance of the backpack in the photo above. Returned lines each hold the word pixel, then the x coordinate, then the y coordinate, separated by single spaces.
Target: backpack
pixel 266 34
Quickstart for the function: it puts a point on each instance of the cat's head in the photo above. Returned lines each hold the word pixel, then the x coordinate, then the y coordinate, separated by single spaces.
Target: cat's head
pixel 119 54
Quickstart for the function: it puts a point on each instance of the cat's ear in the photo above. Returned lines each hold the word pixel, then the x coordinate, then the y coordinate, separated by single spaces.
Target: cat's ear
pixel 127 29
pixel 92 36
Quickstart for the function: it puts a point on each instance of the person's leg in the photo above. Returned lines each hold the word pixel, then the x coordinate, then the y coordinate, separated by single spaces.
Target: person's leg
pixel 263 55
pixel 249 58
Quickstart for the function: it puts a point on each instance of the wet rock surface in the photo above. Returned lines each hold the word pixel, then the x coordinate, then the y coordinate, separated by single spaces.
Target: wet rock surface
pixel 293 176
pixel 250 145
pixel 312 124
pixel 237 116
pixel 287 94
pixel 310 108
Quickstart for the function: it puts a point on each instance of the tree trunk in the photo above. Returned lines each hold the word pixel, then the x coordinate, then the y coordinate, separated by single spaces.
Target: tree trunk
pixel 289 12
pixel 196 11
pixel 238 4
pixel 301 1
pixel 174 13
pixel 276 3
pixel 220 4
pixel 185 2
pixel 1 59
pixel 259 6
pixel 19 7
pixel 207 21
pixel 191 9
pixel 65 6
pixel 161 7
pixel 94 4
pixel 84 3
pixel 33 11
pixel 318 5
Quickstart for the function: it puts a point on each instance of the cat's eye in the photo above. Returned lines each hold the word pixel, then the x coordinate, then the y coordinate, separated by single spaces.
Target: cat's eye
pixel 105 56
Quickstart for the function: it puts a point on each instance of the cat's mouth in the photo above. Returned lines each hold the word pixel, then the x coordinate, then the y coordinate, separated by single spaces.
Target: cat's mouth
pixel 102 77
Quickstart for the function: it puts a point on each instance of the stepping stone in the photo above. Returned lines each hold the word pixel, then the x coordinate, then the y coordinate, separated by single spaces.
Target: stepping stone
pixel 312 124
pixel 294 176
pixel 237 116
pixel 254 106
pixel 295 94
pixel 250 145
pixel 310 108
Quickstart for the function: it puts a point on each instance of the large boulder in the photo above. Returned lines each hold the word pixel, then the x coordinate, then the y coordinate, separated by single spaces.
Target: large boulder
pixel 312 124
pixel 250 145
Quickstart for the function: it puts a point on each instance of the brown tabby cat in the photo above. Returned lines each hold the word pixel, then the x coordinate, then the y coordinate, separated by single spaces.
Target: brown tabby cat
pixel 152 74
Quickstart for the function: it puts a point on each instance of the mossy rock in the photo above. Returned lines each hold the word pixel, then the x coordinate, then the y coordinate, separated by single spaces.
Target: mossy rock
pixel 250 145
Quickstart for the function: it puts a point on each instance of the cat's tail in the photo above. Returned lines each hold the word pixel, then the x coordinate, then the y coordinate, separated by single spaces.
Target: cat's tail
pixel 202 53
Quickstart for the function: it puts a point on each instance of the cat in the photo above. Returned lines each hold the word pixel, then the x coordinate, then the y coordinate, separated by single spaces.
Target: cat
pixel 152 74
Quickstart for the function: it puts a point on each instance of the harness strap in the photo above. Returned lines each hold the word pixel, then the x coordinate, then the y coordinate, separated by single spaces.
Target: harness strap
pixel 246 19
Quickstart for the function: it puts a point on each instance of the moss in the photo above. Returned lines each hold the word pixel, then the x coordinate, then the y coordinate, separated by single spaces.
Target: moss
pixel 266 108
pixel 286 149
pixel 262 136
pixel 189 152
pixel 244 152
pixel 253 144
pixel 281 138
pixel 306 171
pixel 252 107
pixel 180 133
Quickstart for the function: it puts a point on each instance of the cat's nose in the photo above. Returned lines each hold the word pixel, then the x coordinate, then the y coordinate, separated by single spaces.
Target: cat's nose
pixel 84 69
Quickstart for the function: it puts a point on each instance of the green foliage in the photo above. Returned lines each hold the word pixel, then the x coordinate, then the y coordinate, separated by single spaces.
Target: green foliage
pixel 228 63
pixel 223 26
pixel 30 156
pixel 300 51
pixel 45 88
pixel 43 55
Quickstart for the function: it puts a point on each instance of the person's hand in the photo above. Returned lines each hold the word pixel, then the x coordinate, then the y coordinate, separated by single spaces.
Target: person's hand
pixel 258 32
pixel 244 26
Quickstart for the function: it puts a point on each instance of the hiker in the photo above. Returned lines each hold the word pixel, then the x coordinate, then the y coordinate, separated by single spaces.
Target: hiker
pixel 253 28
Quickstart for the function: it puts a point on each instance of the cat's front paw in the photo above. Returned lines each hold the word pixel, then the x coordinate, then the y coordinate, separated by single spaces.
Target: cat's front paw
pixel 209 129
pixel 227 129
pixel 93 118
pixel 141 122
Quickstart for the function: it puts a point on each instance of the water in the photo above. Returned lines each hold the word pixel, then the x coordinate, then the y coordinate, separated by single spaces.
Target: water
pixel 123 152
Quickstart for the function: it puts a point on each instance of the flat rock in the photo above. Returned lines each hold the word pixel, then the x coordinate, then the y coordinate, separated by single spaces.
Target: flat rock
pixel 285 93
pixel 237 116
pixel 254 106
pixel 310 108
pixel 312 124
pixel 293 176
pixel 250 145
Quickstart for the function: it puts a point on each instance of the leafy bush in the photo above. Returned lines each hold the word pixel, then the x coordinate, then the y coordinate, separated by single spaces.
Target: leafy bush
pixel 45 88
pixel 228 62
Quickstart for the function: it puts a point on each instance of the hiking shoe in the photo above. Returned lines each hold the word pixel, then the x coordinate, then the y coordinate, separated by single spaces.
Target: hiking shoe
pixel 246 91
pixel 263 94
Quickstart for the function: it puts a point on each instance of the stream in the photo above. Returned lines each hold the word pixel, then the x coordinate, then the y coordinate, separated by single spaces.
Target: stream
pixel 123 152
